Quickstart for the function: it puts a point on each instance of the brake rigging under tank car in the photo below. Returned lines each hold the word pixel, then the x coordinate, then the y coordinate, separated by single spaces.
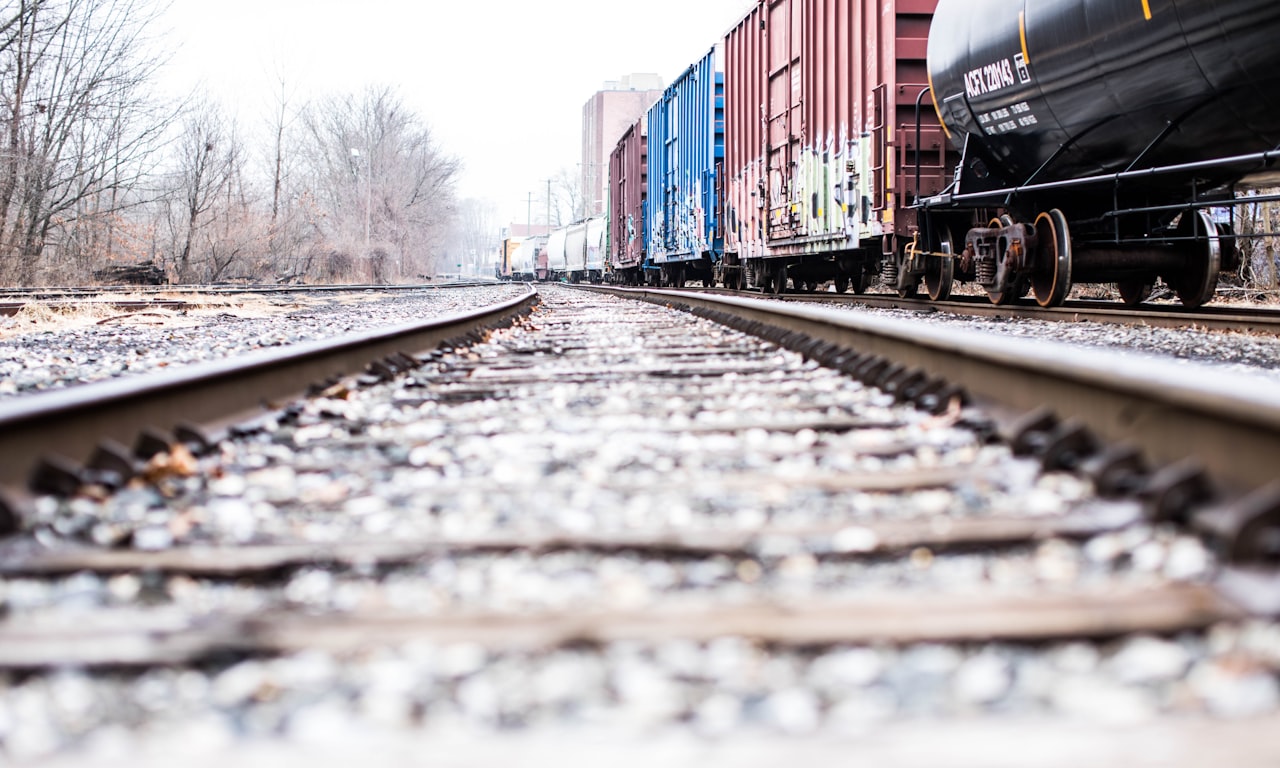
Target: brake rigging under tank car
pixel 1097 136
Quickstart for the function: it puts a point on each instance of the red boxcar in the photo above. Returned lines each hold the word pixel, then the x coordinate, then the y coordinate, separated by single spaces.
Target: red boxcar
pixel 627 185
pixel 820 150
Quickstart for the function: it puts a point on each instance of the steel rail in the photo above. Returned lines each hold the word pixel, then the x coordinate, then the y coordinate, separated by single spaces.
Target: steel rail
pixel 13 300
pixel 1219 318
pixel 11 308
pixel 1228 319
pixel 1170 412
pixel 71 423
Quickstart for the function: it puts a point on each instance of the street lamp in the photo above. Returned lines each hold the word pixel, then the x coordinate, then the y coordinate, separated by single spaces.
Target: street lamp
pixel 368 193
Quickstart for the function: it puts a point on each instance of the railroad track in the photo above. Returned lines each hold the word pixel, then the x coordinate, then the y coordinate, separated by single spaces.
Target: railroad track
pixel 49 436
pixel 1215 318
pixel 13 301
pixel 626 509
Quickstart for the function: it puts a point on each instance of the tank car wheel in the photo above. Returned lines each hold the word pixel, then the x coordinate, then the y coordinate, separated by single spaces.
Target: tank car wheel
pixel 1010 294
pixel 1051 278
pixel 1134 292
pixel 939 273
pixel 842 284
pixel 1199 279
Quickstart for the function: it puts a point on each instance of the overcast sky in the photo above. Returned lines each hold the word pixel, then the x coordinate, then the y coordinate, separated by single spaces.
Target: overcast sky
pixel 502 82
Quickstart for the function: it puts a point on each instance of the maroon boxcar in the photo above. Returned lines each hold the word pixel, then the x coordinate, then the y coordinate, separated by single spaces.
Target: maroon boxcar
pixel 820 140
pixel 627 187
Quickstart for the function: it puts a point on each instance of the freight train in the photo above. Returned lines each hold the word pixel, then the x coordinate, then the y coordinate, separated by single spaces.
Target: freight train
pixel 575 253
pixel 1019 145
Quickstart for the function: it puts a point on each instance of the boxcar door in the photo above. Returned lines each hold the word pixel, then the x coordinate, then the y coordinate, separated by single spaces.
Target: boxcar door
pixel 783 114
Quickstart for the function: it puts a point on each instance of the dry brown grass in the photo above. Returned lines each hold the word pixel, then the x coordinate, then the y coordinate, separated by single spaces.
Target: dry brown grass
pixel 36 317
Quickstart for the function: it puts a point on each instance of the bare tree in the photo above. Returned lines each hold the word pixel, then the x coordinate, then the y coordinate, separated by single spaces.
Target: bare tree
pixel 476 233
pixel 78 129
pixel 382 187
pixel 566 198
pixel 207 160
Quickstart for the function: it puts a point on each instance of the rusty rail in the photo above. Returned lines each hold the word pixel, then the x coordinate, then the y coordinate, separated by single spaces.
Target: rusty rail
pixel 1170 412
pixel 1210 318
pixel 72 423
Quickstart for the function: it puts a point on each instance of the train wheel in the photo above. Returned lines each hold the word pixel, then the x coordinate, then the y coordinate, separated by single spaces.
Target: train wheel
pixel 939 277
pixel 1199 279
pixel 842 284
pixel 860 281
pixel 1134 292
pixel 1010 294
pixel 939 273
pixel 1051 278
pixel 778 280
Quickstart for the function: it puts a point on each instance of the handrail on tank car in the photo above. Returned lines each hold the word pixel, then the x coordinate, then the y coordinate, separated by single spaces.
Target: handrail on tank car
pixel 1225 202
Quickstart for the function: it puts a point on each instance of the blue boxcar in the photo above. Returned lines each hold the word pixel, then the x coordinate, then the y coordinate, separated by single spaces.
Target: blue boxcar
pixel 686 152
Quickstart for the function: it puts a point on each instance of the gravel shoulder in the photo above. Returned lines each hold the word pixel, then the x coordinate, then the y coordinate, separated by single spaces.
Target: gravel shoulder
pixel 42 350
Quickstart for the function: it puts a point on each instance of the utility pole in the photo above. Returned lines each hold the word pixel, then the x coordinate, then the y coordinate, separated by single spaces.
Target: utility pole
pixel 528 216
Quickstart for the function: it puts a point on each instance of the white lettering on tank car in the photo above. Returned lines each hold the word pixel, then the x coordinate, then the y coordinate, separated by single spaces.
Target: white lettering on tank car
pixel 989 79
pixel 1008 119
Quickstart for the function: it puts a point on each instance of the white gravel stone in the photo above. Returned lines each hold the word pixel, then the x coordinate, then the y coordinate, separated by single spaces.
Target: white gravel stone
pixel 982 679
pixel 1235 687
pixel 1148 660
pixel 794 711
pixel 1098 699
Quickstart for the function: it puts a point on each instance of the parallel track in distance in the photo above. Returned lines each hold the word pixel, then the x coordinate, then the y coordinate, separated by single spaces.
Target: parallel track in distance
pixel 177 297
pixel 1221 318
